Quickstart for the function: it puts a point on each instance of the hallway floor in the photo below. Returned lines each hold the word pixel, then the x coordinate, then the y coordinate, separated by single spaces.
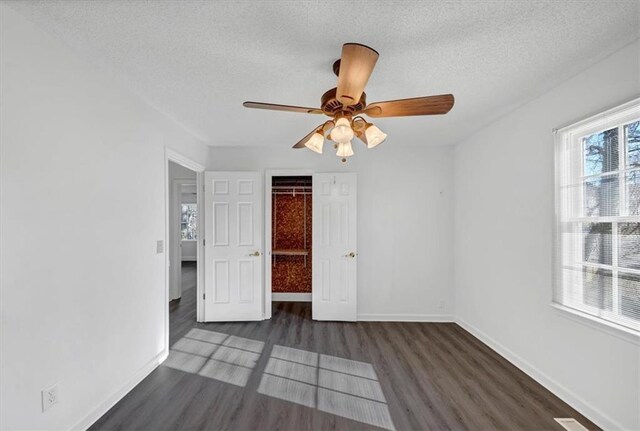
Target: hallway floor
pixel 293 373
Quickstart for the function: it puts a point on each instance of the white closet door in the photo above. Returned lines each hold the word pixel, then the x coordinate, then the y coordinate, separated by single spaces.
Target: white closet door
pixel 233 246
pixel 334 247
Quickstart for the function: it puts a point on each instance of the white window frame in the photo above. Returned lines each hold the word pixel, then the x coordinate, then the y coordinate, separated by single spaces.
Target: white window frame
pixel 570 170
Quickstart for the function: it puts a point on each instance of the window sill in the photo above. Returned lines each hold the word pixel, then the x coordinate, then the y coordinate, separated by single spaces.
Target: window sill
pixel 618 331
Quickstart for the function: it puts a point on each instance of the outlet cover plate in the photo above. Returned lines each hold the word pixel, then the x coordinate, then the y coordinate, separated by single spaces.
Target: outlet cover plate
pixel 49 397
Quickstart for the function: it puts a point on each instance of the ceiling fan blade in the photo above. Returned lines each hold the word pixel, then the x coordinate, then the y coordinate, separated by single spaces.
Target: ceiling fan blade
pixel 288 108
pixel 430 105
pixel 356 64
pixel 304 140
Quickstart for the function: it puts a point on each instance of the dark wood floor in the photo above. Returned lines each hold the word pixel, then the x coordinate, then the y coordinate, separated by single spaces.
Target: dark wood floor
pixel 434 376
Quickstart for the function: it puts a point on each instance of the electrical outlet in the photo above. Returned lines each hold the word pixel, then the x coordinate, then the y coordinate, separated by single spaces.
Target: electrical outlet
pixel 441 305
pixel 159 246
pixel 49 397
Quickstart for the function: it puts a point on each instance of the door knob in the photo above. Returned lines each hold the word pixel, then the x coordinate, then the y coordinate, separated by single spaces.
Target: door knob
pixel 255 253
pixel 352 254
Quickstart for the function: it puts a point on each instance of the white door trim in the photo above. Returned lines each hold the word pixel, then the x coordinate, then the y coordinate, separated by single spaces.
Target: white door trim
pixel 174 156
pixel 268 179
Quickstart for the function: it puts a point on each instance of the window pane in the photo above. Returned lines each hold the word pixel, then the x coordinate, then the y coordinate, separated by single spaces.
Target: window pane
pixel 633 192
pixel 597 243
pixel 629 287
pixel 632 139
pixel 629 245
pixel 601 152
pixel 189 220
pixel 601 196
pixel 597 288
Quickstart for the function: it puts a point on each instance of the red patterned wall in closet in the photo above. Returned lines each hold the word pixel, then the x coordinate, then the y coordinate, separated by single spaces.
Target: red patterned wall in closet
pixel 289 273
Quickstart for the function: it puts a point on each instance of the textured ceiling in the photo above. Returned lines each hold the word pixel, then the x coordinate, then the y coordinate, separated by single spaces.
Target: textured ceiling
pixel 197 61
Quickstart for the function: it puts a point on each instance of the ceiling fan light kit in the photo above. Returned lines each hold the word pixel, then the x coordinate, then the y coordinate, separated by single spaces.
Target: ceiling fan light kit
pixel 344 149
pixel 315 142
pixel 345 103
pixel 342 131
pixel 373 135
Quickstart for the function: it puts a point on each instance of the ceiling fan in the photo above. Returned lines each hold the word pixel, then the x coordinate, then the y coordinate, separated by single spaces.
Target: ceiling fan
pixel 347 103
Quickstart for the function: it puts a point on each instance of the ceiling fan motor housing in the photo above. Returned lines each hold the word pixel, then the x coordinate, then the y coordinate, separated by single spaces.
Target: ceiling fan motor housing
pixel 331 106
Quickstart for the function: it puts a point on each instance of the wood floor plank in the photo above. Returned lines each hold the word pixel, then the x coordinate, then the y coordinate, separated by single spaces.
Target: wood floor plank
pixel 423 376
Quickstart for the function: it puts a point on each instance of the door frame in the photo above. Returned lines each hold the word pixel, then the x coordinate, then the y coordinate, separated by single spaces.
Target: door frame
pixel 268 217
pixel 171 155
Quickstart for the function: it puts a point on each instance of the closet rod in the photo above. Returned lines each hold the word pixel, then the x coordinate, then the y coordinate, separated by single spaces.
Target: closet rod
pixel 291 187
pixel 291 192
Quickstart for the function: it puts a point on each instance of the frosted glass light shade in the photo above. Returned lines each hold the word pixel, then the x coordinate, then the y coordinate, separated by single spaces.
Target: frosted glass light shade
pixel 342 131
pixel 345 149
pixel 315 143
pixel 374 136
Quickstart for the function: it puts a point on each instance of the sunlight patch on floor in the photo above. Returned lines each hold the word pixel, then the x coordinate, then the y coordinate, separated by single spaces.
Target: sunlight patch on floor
pixel 339 386
pixel 215 355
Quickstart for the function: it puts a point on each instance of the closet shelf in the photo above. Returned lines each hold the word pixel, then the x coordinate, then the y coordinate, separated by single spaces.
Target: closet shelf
pixel 290 252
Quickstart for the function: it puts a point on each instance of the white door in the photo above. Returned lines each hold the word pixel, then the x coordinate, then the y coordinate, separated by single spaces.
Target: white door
pixel 334 247
pixel 233 246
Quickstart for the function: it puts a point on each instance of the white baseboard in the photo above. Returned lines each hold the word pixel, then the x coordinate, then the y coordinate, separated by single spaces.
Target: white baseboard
pixel 291 297
pixel 434 318
pixel 104 407
pixel 586 409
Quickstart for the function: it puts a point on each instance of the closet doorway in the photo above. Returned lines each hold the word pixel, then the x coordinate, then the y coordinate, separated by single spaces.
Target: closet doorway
pixel 288 270
pixel 291 234
pixel 311 242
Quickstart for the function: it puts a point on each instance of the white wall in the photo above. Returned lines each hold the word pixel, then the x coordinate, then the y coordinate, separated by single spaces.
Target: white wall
pixel 503 245
pixel 82 168
pixel 404 220
pixel 179 172
pixel 189 250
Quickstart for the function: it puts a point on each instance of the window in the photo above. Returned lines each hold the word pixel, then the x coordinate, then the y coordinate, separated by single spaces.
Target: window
pixel 189 222
pixel 597 238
